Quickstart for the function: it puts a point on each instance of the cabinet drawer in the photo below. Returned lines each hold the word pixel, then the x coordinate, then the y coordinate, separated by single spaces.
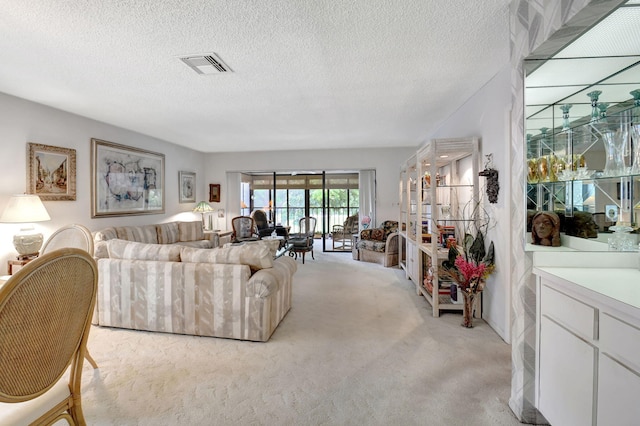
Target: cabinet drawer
pixel 576 316
pixel 620 340
pixel 618 390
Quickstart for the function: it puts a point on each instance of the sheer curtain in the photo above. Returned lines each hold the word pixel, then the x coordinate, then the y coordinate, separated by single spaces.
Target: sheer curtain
pixel 232 196
pixel 367 186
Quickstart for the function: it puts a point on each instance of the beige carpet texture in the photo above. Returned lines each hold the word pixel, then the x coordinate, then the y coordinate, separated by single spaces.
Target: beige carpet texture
pixel 358 347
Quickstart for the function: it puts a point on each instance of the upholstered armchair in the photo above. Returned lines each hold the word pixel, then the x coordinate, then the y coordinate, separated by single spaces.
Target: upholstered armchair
pixel 379 245
pixel 244 229
pixel 264 230
pixel 341 234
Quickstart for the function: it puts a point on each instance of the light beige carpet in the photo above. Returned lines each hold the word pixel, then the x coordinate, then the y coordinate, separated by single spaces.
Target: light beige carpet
pixel 357 348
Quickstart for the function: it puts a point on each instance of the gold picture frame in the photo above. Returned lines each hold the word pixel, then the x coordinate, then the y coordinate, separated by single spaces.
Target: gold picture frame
pixel 125 180
pixel 51 172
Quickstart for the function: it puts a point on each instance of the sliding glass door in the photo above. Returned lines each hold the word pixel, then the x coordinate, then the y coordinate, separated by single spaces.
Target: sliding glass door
pixel 287 197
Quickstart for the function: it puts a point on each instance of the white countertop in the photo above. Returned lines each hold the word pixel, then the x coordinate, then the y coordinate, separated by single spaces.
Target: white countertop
pixel 621 284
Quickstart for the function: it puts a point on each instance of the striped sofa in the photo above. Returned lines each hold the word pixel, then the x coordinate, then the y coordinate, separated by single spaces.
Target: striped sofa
pixel 237 292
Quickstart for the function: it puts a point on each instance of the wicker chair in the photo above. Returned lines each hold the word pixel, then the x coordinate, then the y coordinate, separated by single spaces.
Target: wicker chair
pixel 341 235
pixel 71 236
pixel 244 229
pixel 45 319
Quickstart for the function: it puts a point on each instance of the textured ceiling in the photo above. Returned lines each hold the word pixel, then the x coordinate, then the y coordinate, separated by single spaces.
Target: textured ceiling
pixel 307 74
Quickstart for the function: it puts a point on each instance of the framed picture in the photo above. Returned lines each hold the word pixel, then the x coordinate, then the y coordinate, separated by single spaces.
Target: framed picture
pixel 125 180
pixel 214 193
pixel 187 181
pixel 51 172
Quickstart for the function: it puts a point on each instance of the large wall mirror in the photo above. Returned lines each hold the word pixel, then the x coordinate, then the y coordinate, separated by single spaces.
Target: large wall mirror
pixel 583 131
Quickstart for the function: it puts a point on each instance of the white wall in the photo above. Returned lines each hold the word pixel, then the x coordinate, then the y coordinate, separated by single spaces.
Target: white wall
pixel 22 121
pixel 386 162
pixel 487 115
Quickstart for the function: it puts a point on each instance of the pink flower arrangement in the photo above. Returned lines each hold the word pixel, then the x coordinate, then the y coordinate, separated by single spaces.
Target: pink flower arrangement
pixel 471 276
pixel 470 269
pixel 366 220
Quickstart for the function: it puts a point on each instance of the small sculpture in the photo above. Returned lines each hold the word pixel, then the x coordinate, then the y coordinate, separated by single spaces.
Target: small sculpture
pixel 492 179
pixel 545 229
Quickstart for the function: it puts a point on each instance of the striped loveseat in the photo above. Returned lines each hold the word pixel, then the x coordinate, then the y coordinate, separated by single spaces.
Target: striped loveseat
pixel 237 292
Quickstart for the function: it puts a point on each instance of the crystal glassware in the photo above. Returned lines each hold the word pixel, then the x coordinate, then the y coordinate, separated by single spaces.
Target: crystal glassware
pixel 594 96
pixel 621 240
pixel 565 116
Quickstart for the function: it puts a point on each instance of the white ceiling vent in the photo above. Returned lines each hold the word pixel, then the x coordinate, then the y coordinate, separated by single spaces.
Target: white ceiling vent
pixel 208 63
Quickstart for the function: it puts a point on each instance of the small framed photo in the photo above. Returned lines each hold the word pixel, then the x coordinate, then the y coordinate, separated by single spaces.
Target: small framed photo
pixel 214 193
pixel 51 172
pixel 187 181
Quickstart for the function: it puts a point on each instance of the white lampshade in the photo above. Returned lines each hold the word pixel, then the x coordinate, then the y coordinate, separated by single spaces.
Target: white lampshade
pixel 26 208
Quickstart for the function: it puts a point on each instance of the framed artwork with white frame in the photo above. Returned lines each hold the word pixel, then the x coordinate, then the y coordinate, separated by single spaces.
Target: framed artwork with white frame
pixel 187 191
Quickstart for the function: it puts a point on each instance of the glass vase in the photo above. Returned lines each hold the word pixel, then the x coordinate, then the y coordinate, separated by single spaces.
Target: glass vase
pixel 614 143
pixel 635 134
pixel 621 240
pixel 467 313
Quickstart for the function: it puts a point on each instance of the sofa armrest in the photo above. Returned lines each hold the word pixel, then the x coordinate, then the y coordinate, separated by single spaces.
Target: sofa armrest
pixel 267 281
pixel 392 243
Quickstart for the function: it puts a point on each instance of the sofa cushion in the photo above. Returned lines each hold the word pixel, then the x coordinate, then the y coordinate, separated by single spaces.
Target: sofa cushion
pixel 372 245
pixel 205 244
pixel 190 231
pixel 141 234
pixel 257 256
pixel 273 245
pixel 121 249
pixel 168 233
pixel 377 234
pixel 105 234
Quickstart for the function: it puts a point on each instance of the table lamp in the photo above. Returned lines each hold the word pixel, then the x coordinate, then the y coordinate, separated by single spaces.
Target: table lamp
pixel 26 209
pixel 203 207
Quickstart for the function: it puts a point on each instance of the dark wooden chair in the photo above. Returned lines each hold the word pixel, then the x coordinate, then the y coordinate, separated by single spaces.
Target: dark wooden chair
pixel 244 229
pixel 302 242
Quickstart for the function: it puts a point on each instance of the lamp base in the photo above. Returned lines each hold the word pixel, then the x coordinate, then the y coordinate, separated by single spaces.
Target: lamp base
pixel 27 244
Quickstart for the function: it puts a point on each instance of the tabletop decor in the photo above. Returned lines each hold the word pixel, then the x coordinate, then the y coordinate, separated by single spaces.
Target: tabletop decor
pixel 470 270
pixel 125 180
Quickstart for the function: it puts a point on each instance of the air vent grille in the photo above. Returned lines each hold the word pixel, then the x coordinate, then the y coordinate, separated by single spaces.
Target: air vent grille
pixel 206 64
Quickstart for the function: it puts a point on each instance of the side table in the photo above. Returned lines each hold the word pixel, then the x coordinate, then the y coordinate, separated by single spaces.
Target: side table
pixel 218 237
pixel 14 265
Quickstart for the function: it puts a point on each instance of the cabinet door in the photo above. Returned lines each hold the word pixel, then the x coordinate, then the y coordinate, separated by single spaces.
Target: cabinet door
pixel 412 261
pixel 618 390
pixel 566 376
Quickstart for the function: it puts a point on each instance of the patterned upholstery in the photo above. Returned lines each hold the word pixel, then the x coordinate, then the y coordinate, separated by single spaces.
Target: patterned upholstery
pixel 182 233
pixel 244 229
pixel 168 233
pixel 122 249
pixel 380 245
pixel 203 299
pixel 239 292
pixel 190 231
